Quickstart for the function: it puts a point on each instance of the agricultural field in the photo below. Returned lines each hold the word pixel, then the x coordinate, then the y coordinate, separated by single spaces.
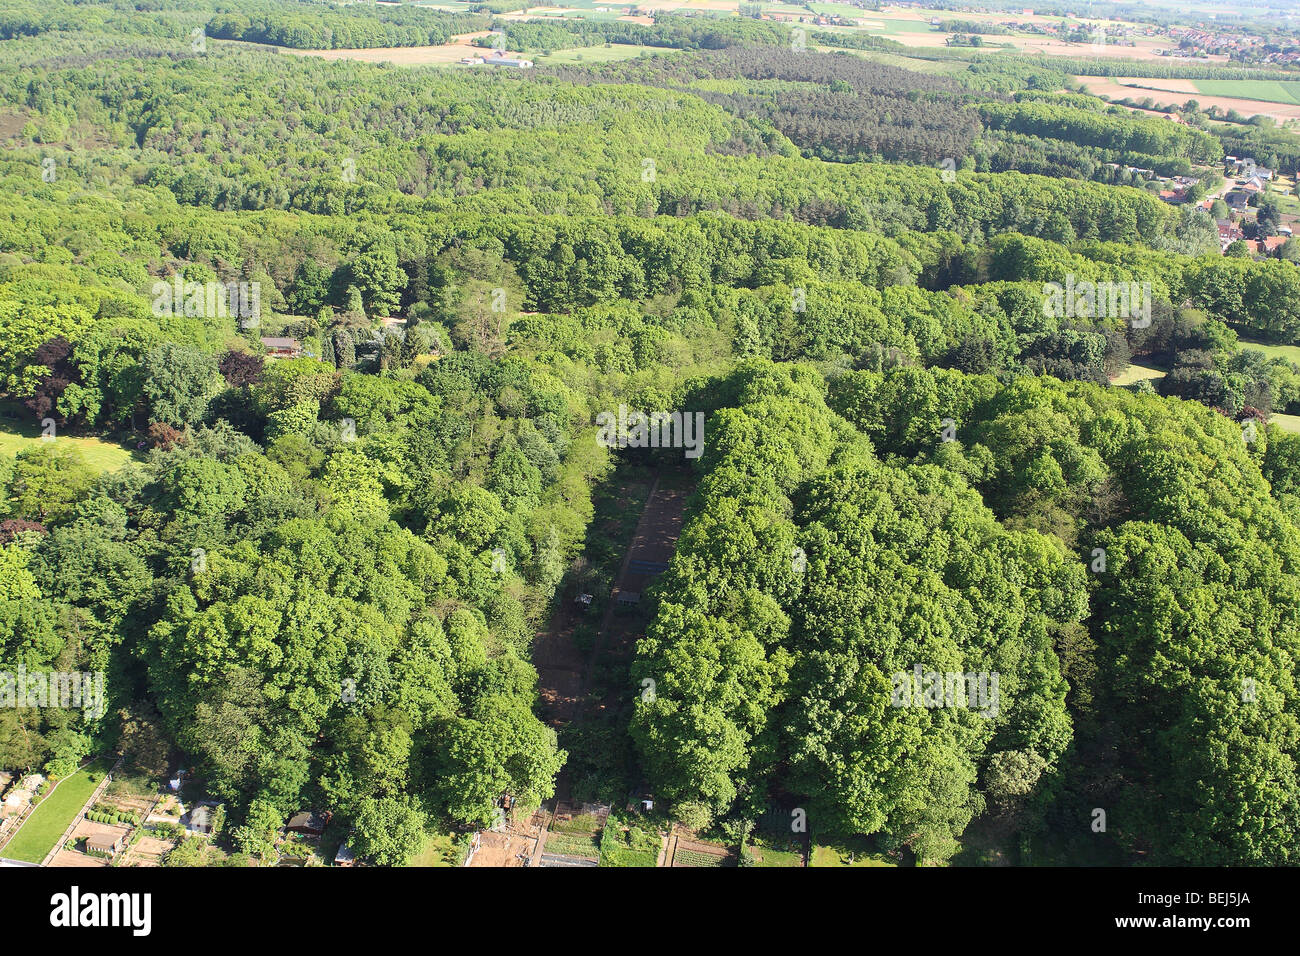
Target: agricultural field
pixel 444 54
pixel 688 851
pixel 1272 91
pixel 574 840
pixel 581 845
pixel 1167 92
pixel 595 54
pixel 689 857
pixel 578 9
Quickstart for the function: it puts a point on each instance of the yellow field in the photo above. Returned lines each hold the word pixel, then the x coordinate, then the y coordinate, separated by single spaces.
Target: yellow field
pixel 1137 373
pixel 452 52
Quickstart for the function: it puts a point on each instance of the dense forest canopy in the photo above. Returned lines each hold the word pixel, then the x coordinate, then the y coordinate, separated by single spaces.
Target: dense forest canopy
pixel 337 522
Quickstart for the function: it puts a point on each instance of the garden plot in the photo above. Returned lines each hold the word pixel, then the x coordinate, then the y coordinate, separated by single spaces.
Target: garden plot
pixel 74 851
pixel 151 848
pixel 574 839
pixel 630 845
pixel 109 817
pixel 689 852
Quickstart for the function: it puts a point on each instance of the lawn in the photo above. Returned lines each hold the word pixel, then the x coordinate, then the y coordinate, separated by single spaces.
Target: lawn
pixel 1288 203
pixel 98 454
pixel 1288 423
pixel 774 853
pixel 1289 352
pixel 1137 373
pixel 848 853
pixel 439 850
pixel 51 817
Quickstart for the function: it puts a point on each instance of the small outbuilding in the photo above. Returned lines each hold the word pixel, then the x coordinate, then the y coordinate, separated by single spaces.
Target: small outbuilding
pixel 200 819
pixel 278 347
pixel 308 822
pixel 106 843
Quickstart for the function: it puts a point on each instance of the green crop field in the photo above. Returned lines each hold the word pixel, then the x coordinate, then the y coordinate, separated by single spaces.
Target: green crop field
pixel 1272 91
pixel 51 817
pixel 697 858
pixel 873 25
pixel 597 54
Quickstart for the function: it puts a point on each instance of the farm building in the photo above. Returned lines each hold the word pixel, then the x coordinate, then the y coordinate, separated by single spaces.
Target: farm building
pixel 514 61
